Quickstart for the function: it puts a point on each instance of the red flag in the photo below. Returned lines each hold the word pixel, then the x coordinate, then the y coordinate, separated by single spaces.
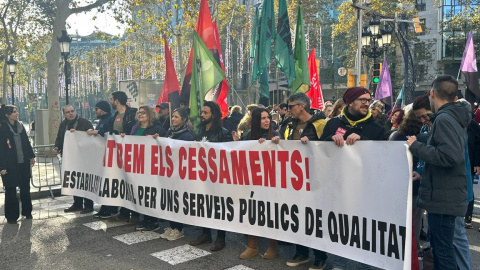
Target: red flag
pixel 205 30
pixel 221 89
pixel 315 93
pixel 171 88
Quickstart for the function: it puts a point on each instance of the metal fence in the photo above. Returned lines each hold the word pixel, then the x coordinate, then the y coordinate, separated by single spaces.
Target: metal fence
pixel 47 170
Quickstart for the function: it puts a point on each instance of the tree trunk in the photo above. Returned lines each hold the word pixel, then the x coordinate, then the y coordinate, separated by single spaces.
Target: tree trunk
pixel 53 56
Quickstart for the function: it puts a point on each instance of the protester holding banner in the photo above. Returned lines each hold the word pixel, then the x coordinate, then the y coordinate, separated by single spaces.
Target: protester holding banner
pixel 304 127
pixel 103 114
pixel 442 187
pixel 356 121
pixel 303 124
pixel 164 115
pixel 16 157
pixel 178 131
pixel 122 122
pixel 73 122
pixel 146 126
pixel 261 130
pixel 210 130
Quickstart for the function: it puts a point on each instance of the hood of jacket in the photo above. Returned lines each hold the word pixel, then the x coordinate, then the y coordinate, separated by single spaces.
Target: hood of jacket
pixel 458 111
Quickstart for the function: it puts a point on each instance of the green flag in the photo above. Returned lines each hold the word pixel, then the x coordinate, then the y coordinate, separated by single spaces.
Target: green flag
pixel 283 44
pixel 302 74
pixel 266 35
pixel 206 74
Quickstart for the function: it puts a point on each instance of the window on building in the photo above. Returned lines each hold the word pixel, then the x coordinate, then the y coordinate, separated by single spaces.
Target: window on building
pixel 420 5
pixel 454 36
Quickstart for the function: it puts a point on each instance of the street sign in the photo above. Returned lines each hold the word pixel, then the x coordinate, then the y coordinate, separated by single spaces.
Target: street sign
pixel 342 71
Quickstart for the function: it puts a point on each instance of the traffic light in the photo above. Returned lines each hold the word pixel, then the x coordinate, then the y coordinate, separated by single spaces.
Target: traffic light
pixel 363 80
pixel 377 68
pixel 417 26
pixel 350 78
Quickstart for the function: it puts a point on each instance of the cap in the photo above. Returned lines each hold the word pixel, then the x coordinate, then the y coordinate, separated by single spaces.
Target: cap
pixel 163 105
pixel 103 105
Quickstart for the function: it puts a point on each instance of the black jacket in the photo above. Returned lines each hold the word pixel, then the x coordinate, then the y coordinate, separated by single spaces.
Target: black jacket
pixel 443 187
pixel 186 135
pixel 163 122
pixel 151 130
pixel 80 124
pixel 473 131
pixel 128 121
pixel 231 123
pixel 313 130
pixel 367 130
pixel 102 125
pixel 211 136
pixel 8 156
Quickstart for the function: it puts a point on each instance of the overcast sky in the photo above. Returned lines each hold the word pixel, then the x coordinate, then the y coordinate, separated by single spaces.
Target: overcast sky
pixel 84 24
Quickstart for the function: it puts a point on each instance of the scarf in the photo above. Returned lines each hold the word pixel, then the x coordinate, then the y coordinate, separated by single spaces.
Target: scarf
pixel 352 119
pixel 72 123
pixel 17 139
pixel 175 131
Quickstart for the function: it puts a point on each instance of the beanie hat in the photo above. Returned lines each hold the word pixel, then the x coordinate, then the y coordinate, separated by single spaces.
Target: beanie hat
pixel 103 105
pixel 353 93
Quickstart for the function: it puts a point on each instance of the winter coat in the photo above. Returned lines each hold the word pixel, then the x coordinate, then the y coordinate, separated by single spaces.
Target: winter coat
pixel 231 123
pixel 313 130
pixel 102 125
pixel 128 121
pixel 186 135
pixel 443 187
pixel 210 136
pixel 8 156
pixel 151 130
pixel 80 124
pixel 367 130
pixel 473 131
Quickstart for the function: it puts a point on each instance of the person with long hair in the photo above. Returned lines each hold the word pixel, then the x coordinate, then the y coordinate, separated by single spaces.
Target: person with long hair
pixel 16 158
pixel 244 124
pixel 210 130
pixel 337 108
pixel 261 130
pixel 146 126
pixel 178 131
pixel 394 119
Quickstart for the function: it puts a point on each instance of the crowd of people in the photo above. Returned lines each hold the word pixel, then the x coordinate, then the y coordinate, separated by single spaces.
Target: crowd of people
pixel 439 130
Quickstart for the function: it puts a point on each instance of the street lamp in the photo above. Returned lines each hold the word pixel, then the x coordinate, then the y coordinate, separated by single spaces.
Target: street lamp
pixel 65 41
pixel 12 68
pixel 375 40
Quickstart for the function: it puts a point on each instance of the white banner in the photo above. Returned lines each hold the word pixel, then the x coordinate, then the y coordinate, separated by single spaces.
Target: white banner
pixel 352 201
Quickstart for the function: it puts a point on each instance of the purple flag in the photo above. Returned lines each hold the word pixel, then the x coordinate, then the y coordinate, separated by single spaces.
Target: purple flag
pixel 384 87
pixel 469 69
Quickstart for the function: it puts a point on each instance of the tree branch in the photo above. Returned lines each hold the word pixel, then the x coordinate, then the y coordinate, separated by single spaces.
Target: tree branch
pixel 96 4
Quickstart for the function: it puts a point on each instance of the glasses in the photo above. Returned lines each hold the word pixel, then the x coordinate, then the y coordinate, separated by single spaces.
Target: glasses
pixel 291 106
pixel 365 100
pixel 141 112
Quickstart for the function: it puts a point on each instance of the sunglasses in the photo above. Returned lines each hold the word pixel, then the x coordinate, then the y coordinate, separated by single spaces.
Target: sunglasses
pixel 291 106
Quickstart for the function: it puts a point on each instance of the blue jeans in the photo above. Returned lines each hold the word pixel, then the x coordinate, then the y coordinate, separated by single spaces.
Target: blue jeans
pixel 442 229
pixel 462 248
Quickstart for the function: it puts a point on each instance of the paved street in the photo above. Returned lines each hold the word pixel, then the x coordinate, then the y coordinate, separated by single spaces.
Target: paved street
pixel 56 240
